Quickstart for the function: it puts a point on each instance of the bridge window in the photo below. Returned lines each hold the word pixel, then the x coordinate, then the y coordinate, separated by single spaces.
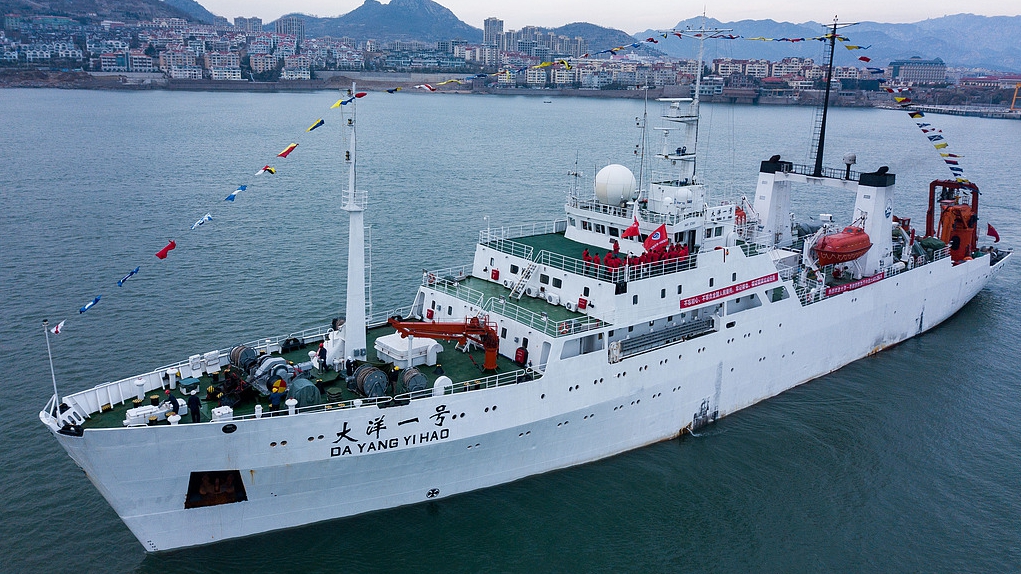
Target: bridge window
pixel 503 333
pixel 614 232
pixel 585 225
pixel 600 228
pixel 557 282
pixel 584 292
pixel 719 231
pixel 544 279
pixel 572 222
pixel 514 268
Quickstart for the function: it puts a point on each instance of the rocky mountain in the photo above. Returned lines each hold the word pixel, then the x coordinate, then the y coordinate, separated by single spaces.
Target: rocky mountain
pixel 197 11
pixel 95 10
pixel 600 38
pixel 422 20
pixel 962 40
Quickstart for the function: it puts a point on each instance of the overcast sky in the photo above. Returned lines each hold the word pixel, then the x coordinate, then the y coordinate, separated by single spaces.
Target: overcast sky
pixel 637 15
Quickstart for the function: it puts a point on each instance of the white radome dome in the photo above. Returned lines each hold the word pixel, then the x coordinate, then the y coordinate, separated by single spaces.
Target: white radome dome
pixel 615 184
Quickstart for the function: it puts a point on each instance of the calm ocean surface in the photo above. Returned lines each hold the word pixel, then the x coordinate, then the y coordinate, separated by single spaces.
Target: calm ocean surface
pixel 906 461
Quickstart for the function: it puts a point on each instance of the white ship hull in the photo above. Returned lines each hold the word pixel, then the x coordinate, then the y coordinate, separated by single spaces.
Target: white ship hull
pixel 581 410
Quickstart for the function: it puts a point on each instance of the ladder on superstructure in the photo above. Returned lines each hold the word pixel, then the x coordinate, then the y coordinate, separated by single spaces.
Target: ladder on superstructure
pixel 519 287
pixel 368 271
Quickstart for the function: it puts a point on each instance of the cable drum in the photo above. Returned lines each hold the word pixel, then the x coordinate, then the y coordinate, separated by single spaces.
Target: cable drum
pixel 242 357
pixel 371 381
pixel 413 380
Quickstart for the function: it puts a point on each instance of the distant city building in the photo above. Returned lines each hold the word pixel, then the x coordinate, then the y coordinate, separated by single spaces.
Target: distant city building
pixel 918 71
pixel 225 73
pixel 262 62
pixel 253 24
pixel 492 31
pixel 291 26
pixel 185 73
pixel 221 60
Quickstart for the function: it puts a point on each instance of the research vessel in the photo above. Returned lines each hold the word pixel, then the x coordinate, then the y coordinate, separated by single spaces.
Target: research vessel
pixel 646 312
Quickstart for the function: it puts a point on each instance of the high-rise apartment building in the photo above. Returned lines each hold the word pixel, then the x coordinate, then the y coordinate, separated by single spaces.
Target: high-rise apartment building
pixel 253 24
pixel 291 26
pixel 492 30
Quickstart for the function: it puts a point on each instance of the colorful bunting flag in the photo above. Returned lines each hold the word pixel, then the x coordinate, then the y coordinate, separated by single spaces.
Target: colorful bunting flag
pixel 90 304
pixel 318 123
pixel 393 90
pixel 130 274
pixel 426 87
pixel 287 150
pixel 162 253
pixel 58 328
pixel 235 193
pixel 940 145
pixel 865 59
pixel 990 231
pixel 199 223
pixel 454 81
pixel 266 169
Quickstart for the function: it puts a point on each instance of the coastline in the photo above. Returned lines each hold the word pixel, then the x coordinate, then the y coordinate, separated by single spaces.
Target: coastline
pixel 381 81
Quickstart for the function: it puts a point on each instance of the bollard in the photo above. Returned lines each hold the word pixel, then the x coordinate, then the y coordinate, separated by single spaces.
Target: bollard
pixel 172 375
pixel 174 418
pixel 258 411
pixel 292 406
pixel 139 388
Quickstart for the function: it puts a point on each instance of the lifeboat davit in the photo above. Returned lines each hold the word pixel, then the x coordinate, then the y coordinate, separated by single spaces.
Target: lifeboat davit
pixel 847 245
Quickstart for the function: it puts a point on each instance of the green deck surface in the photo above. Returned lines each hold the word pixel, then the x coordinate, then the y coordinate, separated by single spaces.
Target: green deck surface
pixel 558 243
pixel 534 304
pixel 451 362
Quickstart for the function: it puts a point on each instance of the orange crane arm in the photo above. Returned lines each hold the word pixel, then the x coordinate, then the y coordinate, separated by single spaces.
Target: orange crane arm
pixel 472 329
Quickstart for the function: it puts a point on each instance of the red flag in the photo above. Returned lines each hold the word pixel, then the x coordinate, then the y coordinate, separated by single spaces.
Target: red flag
pixel 656 239
pixel 992 233
pixel 632 230
pixel 865 59
pixel 162 253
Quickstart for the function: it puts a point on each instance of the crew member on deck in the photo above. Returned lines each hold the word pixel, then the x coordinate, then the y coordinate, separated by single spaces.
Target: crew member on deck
pixel 173 401
pixel 322 358
pixel 195 406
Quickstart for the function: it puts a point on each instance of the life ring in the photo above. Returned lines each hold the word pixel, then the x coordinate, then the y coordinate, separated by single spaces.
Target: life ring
pixel 565 329
pixel 431 279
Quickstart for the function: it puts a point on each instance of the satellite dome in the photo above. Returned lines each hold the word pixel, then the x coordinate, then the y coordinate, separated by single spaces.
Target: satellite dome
pixel 614 184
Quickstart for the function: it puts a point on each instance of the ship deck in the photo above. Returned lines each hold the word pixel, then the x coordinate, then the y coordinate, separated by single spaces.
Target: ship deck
pixel 453 363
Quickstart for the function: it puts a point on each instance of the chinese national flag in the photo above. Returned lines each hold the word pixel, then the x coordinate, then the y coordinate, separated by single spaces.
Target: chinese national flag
pixel 631 231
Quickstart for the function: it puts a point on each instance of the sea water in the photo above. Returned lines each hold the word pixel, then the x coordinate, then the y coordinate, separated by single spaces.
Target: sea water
pixel 906 461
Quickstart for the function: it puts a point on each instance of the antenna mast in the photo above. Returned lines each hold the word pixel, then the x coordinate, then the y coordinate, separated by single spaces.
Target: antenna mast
pixel 354 205
pixel 817 172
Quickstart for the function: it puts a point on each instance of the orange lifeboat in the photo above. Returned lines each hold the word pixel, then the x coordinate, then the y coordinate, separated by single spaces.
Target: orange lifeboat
pixel 847 245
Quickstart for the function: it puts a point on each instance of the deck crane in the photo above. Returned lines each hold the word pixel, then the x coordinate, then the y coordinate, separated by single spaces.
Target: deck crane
pixel 481 332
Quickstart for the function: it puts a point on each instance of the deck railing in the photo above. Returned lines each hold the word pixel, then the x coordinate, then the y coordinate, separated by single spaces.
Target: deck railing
pixel 526 230
pixel 593 205
pixel 511 248
pixel 579 267
pixel 540 321
pixel 457 289
pixel 488 382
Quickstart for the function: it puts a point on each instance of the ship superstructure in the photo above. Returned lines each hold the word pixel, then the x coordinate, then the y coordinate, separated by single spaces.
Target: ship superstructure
pixel 645 313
